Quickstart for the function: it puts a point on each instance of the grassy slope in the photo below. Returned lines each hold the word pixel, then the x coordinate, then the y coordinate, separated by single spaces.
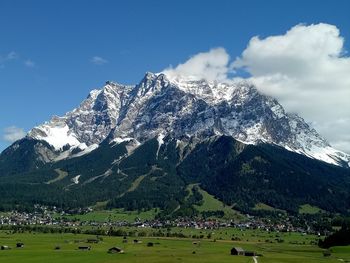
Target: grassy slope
pixel 61 175
pixel 210 203
pixel 309 209
pixel 262 206
pixel 39 249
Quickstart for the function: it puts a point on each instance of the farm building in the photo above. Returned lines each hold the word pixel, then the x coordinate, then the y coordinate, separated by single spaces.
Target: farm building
pixel 5 247
pixel 20 245
pixel 237 251
pixel 125 240
pixel 115 250
pixel 250 253
pixel 85 248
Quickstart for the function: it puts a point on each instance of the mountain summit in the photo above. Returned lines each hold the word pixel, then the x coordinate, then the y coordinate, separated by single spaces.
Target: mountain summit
pixel 146 146
pixel 162 106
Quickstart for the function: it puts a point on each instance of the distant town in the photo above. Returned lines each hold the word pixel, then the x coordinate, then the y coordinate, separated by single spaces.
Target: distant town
pixel 52 216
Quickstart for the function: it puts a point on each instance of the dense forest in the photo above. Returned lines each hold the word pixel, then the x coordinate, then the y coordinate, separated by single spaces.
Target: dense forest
pixel 156 175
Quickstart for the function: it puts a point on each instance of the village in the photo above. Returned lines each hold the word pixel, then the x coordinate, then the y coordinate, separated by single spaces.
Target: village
pixel 51 216
pixel 65 231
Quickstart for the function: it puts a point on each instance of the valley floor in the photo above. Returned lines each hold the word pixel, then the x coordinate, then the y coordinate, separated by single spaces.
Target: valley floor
pixel 40 248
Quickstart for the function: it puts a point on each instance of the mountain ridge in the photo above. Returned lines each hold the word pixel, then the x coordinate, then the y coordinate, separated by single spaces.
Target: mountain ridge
pixel 140 147
pixel 180 107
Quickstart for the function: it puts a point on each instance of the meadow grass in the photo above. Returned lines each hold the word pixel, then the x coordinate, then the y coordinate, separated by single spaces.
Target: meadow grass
pixel 210 203
pixel 39 248
pixel 309 209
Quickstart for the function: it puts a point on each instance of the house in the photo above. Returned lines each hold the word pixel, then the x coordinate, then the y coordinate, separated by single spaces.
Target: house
pixel 237 251
pixel 115 250
pixel 5 248
pixel 125 240
pixel 250 253
pixel 84 248
pixel 20 245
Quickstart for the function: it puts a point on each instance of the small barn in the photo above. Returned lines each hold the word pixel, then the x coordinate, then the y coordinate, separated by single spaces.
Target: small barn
pixel 20 245
pixel 237 251
pixel 84 248
pixel 250 253
pixel 5 247
pixel 115 250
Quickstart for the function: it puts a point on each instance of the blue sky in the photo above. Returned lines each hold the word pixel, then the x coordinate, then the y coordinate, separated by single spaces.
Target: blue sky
pixel 52 53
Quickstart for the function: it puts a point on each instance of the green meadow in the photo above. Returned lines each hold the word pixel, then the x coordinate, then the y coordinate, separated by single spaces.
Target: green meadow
pixel 40 248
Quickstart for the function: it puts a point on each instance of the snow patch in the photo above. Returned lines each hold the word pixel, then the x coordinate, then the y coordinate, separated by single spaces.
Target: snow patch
pixel 160 140
pixel 86 150
pixel 119 140
pixel 57 136
pixel 75 179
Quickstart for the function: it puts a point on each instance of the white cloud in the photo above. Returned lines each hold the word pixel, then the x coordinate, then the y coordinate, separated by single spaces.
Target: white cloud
pixel 211 65
pixel 308 71
pixel 98 60
pixel 8 57
pixel 29 63
pixel 13 133
pixel 12 55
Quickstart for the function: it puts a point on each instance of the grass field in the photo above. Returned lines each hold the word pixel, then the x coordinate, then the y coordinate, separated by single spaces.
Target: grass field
pixel 309 209
pixel 61 175
pixel 100 214
pixel 262 206
pixel 39 248
pixel 210 203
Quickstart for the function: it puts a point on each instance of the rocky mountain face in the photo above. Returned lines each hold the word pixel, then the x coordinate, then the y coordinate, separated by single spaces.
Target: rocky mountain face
pixel 144 146
pixel 180 108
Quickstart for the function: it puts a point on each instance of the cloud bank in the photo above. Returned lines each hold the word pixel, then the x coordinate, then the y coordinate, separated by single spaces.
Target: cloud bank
pixel 306 69
pixel 13 133
pixel 211 65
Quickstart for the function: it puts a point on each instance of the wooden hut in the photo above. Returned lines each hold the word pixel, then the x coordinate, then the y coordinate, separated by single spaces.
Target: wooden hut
pixel 115 250
pixel 237 251
pixel 4 247
pixel 20 245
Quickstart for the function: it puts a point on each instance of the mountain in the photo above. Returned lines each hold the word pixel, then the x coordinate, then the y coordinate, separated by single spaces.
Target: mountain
pixel 141 146
pixel 159 106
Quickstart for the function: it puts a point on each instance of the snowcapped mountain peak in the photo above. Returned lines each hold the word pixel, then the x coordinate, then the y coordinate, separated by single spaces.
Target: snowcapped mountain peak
pixel 182 107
